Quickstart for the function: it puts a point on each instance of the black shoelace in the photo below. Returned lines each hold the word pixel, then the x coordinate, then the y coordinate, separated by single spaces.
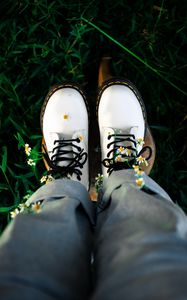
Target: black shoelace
pixel 111 164
pixel 76 160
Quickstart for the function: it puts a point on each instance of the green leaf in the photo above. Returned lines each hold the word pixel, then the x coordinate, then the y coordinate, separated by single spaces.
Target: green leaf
pixel 160 128
pixel 18 127
pixel 3 186
pixel 4 159
pixel 7 209
pixel 36 136
pixel 20 140
pixel 183 197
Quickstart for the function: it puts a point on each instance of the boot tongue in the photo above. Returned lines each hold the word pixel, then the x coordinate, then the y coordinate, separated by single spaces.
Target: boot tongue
pixel 128 132
pixel 60 137
pixel 123 144
pixel 79 141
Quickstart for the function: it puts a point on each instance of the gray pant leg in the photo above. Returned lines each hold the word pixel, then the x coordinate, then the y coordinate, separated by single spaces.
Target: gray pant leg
pixel 141 244
pixel 46 256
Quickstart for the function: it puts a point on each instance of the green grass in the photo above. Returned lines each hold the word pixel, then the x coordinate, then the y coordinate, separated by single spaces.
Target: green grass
pixel 43 43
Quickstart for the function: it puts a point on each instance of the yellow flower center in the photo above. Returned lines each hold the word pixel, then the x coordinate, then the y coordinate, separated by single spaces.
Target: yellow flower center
pixel 139 172
pixel 121 149
pixel 139 182
pixel 140 159
pixel 136 168
pixel 128 152
pixel 36 207
pixel 118 159
pixel 66 117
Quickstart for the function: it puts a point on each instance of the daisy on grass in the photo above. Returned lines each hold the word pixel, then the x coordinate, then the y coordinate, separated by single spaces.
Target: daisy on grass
pixel 43 179
pixel 99 177
pixel 27 149
pixel 31 162
pixel 27 196
pixel 98 182
pixel 14 213
pixel 22 207
pixel 46 179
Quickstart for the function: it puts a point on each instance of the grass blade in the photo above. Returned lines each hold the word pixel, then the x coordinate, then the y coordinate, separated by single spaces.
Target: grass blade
pixel 134 55
pixel 4 159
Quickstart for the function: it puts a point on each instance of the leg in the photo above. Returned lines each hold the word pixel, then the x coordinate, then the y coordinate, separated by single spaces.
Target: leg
pixel 141 245
pixel 42 255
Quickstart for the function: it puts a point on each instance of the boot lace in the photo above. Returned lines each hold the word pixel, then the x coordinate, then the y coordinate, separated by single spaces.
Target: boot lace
pixel 123 157
pixel 75 159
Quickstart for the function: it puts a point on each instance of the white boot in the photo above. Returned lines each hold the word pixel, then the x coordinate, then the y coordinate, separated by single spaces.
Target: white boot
pixel 122 124
pixel 64 123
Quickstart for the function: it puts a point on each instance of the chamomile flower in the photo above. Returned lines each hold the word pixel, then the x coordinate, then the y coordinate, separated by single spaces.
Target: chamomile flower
pixel 36 207
pixel 27 196
pixel 136 168
pixel 99 177
pixel 140 182
pixel 128 152
pixel 118 158
pixel 31 162
pixel 99 182
pixel 140 141
pixel 46 179
pixel 43 179
pixel 27 149
pixel 121 150
pixel 14 213
pixel 22 207
pixel 142 161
